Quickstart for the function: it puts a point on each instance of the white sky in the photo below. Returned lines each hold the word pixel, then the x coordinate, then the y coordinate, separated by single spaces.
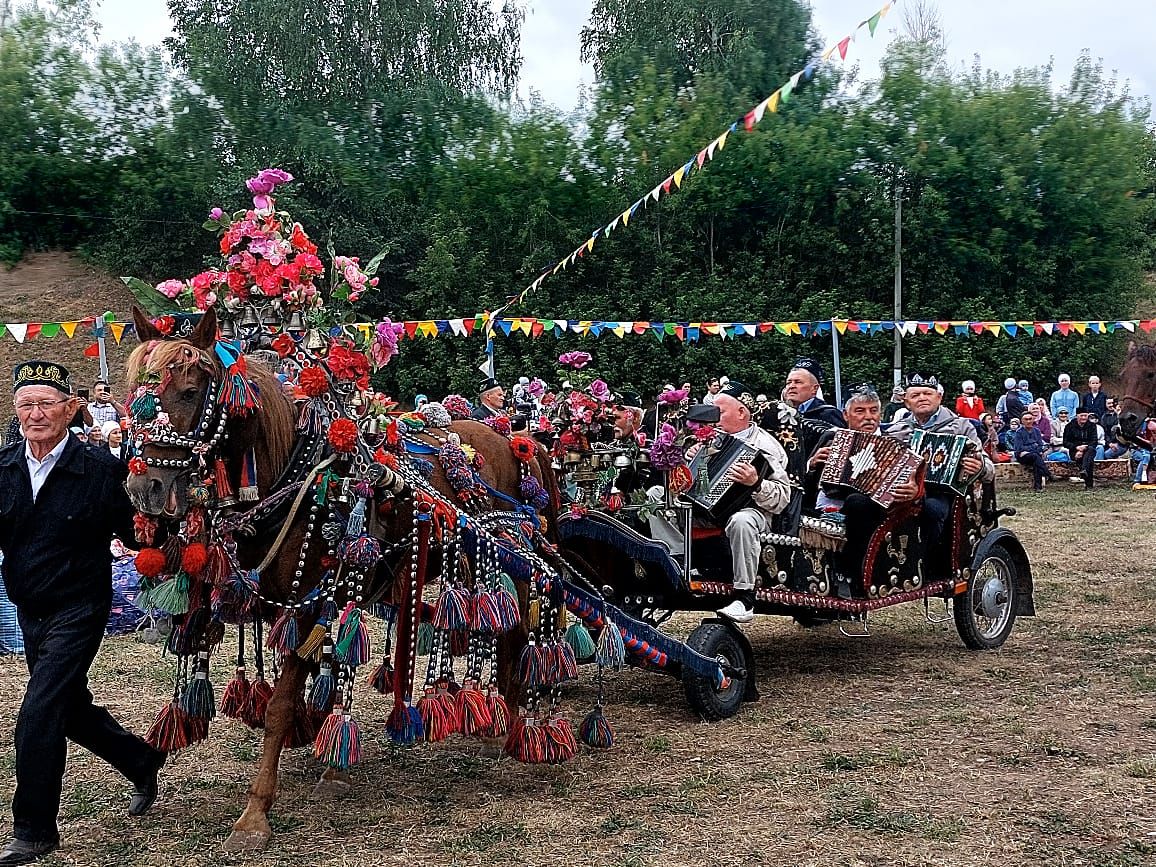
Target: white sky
pixel 1006 34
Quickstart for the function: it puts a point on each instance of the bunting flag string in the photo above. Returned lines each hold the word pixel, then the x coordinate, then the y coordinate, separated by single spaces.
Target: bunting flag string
pixel 696 163
pixel 683 331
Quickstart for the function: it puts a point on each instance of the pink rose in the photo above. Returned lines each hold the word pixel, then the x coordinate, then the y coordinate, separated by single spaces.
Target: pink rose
pixel 171 288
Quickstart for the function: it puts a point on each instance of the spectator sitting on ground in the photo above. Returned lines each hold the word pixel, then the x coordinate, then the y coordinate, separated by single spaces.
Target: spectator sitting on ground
pixel 989 436
pixel 1143 456
pixel 968 404
pixel 1028 447
pixel 1095 401
pixel 1064 398
pixel 1010 407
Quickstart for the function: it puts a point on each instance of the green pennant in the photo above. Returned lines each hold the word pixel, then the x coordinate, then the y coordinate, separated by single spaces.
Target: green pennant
pixel 873 22
pixel 785 93
pixel 547 324
pixel 669 328
pixel 49 329
pixel 3 330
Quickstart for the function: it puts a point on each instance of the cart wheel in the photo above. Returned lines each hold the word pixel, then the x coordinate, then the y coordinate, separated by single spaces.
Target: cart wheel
pixel 710 702
pixel 986 611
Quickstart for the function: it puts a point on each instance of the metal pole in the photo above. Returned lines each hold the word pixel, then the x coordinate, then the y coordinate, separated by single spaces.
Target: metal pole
pixel 103 356
pixel 836 364
pixel 898 361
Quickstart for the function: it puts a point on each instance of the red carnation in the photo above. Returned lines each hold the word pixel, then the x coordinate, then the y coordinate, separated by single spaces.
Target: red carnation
pixel 194 558
pixel 346 364
pixel 138 466
pixel 300 240
pixel 524 448
pixel 150 562
pixel 283 345
pixel 313 381
pixel 343 435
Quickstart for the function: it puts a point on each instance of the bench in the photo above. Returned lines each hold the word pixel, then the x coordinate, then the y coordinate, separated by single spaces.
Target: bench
pixel 1113 470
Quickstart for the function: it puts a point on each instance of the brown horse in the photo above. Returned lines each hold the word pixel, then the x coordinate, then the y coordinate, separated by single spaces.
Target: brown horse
pixel 189 368
pixel 1138 383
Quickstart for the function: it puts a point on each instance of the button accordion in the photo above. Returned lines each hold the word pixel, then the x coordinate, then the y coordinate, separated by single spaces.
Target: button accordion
pixel 714 495
pixel 872 464
pixel 943 454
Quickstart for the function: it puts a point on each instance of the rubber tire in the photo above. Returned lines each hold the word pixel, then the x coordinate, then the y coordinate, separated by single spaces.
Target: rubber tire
pixel 964 616
pixel 712 640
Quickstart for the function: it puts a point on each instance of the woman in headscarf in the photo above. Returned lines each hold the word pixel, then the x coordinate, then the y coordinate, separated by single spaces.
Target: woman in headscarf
pixel 114 439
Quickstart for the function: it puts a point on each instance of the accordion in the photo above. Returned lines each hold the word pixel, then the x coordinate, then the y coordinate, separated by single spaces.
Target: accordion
pixel 714 495
pixel 943 453
pixel 872 464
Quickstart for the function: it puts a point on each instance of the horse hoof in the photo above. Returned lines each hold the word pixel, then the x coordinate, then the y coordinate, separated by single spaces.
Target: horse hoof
pixel 247 841
pixel 333 784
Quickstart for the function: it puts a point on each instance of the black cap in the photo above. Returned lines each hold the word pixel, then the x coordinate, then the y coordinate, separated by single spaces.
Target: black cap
pixel 703 413
pixel 740 393
pixel 41 373
pixel 916 379
pixel 811 366
pixel 629 398
pixel 488 383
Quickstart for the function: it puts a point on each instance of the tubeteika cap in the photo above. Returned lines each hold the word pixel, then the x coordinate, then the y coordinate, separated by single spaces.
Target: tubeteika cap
pixel 41 373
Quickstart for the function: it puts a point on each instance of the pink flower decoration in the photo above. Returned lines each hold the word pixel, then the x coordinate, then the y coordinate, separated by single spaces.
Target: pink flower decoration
pixel 263 184
pixel 384 346
pixel 537 387
pixel 677 395
pixel 575 359
pixel 171 288
pixel 599 390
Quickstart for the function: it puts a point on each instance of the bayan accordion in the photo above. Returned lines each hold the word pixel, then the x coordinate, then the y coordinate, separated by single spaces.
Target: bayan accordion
pixel 943 454
pixel 714 495
pixel 872 464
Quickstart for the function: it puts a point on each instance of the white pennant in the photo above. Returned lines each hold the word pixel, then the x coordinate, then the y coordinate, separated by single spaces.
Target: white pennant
pixel 18 330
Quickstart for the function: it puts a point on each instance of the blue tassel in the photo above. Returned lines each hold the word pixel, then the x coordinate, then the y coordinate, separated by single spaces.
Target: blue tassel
pixel 596 730
pixel 352 646
pixel 530 666
pixel 283 635
pixel 611 651
pixel 453 610
pixel 198 701
pixel 321 693
pixel 404 725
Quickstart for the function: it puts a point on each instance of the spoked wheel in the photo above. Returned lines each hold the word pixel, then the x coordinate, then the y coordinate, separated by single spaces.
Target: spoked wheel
pixel 708 700
pixel 986 611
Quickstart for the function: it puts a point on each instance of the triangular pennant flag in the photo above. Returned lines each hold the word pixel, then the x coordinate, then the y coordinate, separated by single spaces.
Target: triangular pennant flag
pixel 701 158
pixel 410 329
pixel 670 328
pixel 773 102
pixel 659 329
pixel 18 330
pixel 589 245
pixel 1048 327
pixel 785 92
pixel 428 328
pixel 1127 325
pixel 33 331
pixel 611 226
pixel 809 71
pixel 1063 328
pixel 842 46
pixel 722 140
pixel 760 109
pixel 458 327
pixel 941 327
pixel 92 350
pixel 1146 325
pixel 827 54
pixel 49 329
pixel 678 178
pixel 1080 327
pixel 655 193
pixel 923 327
pixel 960 329
pixel 977 327
pixel 625 217
pixel 873 22
pixel 117 329
pixel 1011 328
pixel 506 326
pixel 840 325
pixel 470 325
pixel 795 80
pixel 666 184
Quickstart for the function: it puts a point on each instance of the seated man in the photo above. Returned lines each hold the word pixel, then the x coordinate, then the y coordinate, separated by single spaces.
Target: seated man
pixel 802 392
pixel 924 402
pixel 861 514
pixel 1081 437
pixel 769 496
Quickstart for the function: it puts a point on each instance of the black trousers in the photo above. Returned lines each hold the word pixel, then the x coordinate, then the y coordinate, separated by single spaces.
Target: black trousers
pixel 57 707
pixel 1038 466
pixel 1087 462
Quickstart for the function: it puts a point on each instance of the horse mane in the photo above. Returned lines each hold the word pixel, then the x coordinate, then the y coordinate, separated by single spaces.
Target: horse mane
pixel 1145 353
pixel 276 416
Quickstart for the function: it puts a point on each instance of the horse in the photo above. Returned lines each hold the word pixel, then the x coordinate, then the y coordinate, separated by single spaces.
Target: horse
pixel 1138 383
pixel 185 371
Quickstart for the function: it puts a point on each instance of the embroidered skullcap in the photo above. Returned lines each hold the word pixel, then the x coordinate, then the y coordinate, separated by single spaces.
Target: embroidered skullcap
pixel 41 373
pixel 488 384
pixel 629 399
pixel 811 366
pixel 740 393
pixel 918 380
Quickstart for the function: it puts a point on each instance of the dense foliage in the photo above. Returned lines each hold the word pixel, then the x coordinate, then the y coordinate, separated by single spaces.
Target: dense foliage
pixel 1018 198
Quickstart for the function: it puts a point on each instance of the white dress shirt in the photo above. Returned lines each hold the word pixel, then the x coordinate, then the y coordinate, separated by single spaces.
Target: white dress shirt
pixel 38 470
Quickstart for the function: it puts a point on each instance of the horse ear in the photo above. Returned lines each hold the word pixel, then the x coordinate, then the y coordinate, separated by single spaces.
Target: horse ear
pixel 145 330
pixel 1131 348
pixel 205 334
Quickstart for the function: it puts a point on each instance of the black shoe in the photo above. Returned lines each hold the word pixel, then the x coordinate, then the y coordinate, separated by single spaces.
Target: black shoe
pixel 24 852
pixel 145 793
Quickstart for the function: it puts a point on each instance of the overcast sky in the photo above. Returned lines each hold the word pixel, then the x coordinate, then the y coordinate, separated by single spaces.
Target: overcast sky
pixel 1006 34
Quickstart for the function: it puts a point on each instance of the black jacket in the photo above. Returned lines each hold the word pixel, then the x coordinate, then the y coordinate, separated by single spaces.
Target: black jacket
pixel 56 550
pixel 1096 404
pixel 1074 435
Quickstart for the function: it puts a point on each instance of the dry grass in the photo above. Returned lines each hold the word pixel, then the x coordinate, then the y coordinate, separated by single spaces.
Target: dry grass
pixel 900 749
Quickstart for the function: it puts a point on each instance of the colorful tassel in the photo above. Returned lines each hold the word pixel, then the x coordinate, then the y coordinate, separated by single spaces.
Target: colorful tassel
pixel 530 665
pixel 453 609
pixel 526 741
pixel 223 485
pixel 283 635
pixel 339 744
pixel 433 717
pixel 425 638
pixel 404 725
pixel 253 713
pixel 505 581
pixel 499 714
pixel 235 695
pixel 474 715
pixel 170 731
pixel 567 665
pixel 360 551
pixel 382 678
pixel 314 643
pixel 352 645
pixel 579 640
pixel 171 596
pixel 611 651
pixel 321 692
pixel 248 493
pixel 560 743
pixel 198 700
pixel 596 730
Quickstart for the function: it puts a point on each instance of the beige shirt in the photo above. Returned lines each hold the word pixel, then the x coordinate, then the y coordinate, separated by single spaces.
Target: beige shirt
pixel 774 492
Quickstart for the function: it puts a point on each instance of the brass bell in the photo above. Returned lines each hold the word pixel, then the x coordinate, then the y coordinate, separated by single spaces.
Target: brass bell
pixel 314 342
pixel 296 322
pixel 249 318
pixel 228 331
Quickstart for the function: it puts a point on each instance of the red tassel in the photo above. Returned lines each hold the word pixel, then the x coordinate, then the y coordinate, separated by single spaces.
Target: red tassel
pixel 382 679
pixel 561 744
pixel 253 713
pixel 194 559
pixel 474 714
pixel 170 731
pixel 445 694
pixel 433 717
pixel 527 742
pixel 221 479
pixel 499 714
pixel 150 562
pixel 235 696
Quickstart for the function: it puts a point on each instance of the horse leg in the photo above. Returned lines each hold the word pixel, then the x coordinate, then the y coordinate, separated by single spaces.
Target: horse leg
pixel 251 831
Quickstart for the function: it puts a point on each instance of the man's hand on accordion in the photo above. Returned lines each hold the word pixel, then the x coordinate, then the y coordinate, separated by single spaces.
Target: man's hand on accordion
pixel 907 491
pixel 819 458
pixel 970 466
pixel 744 473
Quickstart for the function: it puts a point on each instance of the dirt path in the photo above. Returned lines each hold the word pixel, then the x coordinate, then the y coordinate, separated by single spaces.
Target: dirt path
pixel 900 749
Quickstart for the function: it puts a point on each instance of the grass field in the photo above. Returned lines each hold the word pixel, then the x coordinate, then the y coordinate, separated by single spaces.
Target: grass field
pixel 899 749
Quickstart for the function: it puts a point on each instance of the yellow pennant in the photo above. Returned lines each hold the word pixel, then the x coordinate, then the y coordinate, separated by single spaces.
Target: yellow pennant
pixel 678 177
pixel 69 328
pixel 117 329
pixel 773 101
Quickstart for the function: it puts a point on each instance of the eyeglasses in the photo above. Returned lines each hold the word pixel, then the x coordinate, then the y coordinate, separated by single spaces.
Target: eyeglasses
pixel 42 405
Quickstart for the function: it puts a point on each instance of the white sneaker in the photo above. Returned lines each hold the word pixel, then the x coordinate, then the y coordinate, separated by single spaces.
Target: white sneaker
pixel 738 612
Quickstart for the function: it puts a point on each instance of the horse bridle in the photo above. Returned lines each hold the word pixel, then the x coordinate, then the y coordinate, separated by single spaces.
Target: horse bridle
pixel 1147 404
pixel 204 438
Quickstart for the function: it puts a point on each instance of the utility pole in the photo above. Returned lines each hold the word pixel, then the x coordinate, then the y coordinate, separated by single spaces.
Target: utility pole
pixel 898 360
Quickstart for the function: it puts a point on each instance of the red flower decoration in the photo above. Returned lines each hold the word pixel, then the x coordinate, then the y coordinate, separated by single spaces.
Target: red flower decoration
pixel 194 558
pixel 524 448
pixel 313 381
pixel 138 467
pixel 345 363
pixel 343 435
pixel 165 324
pixel 283 344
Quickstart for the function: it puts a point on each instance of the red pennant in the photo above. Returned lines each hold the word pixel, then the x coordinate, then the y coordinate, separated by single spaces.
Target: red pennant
pixel 33 331
pixel 410 329
pixel 92 351
pixel 701 157
pixel 1064 328
pixel 680 332
pixel 923 327
pixel 764 327
pixel 1147 325
pixel 749 121
pixel 666 184
pixel 469 325
pixel 537 328
pixel 843 47
pixel 977 327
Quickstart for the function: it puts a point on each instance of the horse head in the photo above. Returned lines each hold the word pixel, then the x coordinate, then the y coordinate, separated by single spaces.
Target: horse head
pixel 173 377
pixel 1138 383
